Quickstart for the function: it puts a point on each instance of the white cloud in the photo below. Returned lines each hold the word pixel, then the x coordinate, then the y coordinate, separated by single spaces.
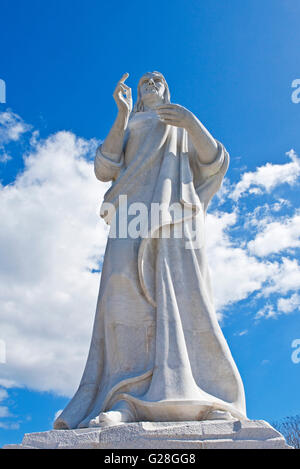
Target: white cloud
pixel 4 412
pixel 11 127
pixel 241 333
pixel 284 306
pixel 269 176
pixel 7 383
pixel 235 273
pixel 223 192
pixel 277 236
pixel 288 305
pixel 3 394
pixel 285 278
pixel 264 214
pixel 51 239
pixel 9 426
pixel 266 312
pixel 4 157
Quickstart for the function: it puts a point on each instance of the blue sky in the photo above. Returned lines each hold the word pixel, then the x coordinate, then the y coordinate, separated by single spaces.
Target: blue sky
pixel 232 63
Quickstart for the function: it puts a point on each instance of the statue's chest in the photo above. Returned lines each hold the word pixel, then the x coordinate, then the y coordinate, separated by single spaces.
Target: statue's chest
pixel 147 135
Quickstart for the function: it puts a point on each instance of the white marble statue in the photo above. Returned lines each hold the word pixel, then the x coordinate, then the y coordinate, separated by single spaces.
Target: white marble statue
pixel 157 351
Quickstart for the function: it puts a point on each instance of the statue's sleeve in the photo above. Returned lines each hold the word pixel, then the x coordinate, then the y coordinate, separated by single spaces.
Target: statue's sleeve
pixel 106 166
pixel 208 177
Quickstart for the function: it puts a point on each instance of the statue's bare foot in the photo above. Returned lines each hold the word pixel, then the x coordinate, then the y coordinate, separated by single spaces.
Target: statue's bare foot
pixel 219 415
pixel 120 413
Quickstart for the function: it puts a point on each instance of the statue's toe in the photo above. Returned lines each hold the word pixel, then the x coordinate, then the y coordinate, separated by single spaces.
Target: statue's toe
pixel 120 413
pixel 60 424
pixel 219 415
pixel 107 419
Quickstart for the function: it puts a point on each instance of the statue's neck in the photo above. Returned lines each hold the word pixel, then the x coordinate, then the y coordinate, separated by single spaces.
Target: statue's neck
pixel 150 108
pixel 151 104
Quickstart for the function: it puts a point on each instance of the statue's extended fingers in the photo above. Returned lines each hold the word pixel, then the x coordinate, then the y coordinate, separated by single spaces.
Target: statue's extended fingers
pixel 170 116
pixel 170 120
pixel 124 77
pixel 168 112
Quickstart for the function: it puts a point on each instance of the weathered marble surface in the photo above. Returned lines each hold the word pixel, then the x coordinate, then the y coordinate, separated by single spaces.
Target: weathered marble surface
pixel 222 434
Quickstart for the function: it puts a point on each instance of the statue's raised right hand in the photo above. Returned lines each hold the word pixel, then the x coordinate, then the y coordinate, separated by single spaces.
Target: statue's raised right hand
pixel 122 96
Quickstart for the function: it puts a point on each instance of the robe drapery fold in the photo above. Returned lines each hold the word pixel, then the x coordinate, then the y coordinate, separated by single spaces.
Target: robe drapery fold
pixel 156 341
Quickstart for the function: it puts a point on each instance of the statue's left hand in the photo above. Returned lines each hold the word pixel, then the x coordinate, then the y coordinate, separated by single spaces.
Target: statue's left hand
pixel 174 114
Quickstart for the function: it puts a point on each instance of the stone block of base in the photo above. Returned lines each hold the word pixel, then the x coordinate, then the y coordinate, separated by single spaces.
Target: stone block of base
pixel 210 434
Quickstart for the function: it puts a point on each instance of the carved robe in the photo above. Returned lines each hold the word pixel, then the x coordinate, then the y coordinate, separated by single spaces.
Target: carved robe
pixel 156 340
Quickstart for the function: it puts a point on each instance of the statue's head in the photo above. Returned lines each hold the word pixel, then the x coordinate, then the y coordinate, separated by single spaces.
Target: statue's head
pixel 152 90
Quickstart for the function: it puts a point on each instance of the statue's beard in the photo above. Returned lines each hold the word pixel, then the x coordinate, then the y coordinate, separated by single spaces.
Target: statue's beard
pixel 152 96
pixel 152 90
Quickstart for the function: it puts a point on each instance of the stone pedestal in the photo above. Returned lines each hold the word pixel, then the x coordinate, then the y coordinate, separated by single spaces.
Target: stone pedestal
pixel 214 434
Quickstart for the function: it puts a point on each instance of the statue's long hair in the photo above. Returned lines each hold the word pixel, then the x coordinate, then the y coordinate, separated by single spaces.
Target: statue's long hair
pixel 139 107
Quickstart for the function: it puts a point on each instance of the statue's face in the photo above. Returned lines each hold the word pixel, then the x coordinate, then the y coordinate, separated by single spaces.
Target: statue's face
pixel 152 88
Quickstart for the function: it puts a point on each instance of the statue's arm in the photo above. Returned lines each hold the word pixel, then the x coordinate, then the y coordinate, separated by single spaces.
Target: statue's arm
pixel 114 142
pixel 205 145
pixel 208 157
pixel 109 156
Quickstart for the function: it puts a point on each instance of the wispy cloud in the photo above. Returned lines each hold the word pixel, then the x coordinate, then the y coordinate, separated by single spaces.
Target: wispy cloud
pixel 3 394
pixel 285 277
pixel 10 425
pixel 288 305
pixel 231 264
pixel 276 236
pixel 4 412
pixel 51 241
pixel 12 127
pixel 267 177
pixel 284 306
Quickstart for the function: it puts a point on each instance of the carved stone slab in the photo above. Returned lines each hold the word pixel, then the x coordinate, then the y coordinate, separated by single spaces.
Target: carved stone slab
pixel 214 434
